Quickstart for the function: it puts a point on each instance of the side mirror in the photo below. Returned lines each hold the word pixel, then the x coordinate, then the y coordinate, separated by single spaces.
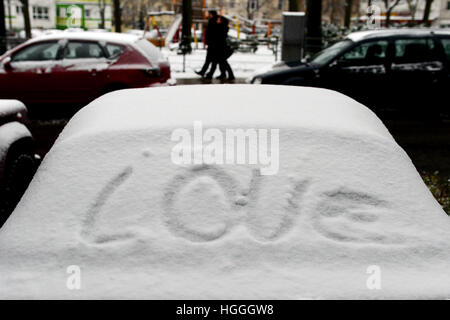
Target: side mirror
pixel 7 64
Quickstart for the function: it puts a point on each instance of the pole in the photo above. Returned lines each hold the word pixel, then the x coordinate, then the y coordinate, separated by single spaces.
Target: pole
pixel 186 26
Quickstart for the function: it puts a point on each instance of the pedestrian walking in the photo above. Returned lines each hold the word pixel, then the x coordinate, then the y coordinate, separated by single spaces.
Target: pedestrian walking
pixel 211 38
pixel 221 51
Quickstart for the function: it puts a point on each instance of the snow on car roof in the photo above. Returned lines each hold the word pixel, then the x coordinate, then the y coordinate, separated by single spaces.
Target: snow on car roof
pixel 245 103
pixel 110 200
pixel 94 36
pixel 367 34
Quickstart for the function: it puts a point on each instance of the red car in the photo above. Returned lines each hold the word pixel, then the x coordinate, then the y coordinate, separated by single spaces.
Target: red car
pixel 75 68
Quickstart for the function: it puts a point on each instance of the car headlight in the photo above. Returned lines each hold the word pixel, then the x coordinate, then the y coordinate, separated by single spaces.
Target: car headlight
pixel 257 80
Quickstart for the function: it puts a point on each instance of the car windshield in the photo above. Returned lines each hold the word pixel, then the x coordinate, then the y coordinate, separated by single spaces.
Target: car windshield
pixel 327 55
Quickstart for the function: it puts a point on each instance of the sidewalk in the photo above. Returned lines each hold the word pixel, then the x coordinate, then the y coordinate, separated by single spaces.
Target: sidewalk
pixel 244 65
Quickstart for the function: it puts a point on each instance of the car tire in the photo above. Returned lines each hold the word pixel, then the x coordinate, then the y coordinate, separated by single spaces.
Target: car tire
pixel 20 169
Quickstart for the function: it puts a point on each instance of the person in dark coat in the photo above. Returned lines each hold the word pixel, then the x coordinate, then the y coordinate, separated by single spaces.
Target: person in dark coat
pixel 211 35
pixel 224 66
pixel 221 51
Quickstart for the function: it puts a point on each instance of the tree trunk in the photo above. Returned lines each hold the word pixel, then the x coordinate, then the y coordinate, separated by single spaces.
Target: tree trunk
pixel 293 5
pixel 348 13
pixel 388 18
pixel 389 11
pixel 2 28
pixel 101 6
pixel 186 26
pixel 426 12
pixel 117 16
pixel 313 26
pixel 26 18
pixel 141 22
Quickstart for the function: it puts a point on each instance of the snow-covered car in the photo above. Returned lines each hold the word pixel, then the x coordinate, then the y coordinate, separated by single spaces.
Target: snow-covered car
pixel 73 68
pixel 17 159
pixel 395 68
pixel 143 196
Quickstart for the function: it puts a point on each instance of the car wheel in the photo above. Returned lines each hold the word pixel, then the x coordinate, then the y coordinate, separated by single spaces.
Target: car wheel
pixel 19 172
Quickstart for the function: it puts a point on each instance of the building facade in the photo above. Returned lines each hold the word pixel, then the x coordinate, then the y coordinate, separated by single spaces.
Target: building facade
pixel 444 14
pixel 59 14
pixel 405 13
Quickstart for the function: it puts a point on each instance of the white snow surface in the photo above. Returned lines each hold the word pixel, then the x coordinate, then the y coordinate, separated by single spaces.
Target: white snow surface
pixel 95 36
pixel 107 198
pixel 11 106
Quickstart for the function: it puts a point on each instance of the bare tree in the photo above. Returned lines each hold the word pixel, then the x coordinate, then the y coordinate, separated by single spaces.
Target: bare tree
pixel 390 5
pixel 26 18
pixel 117 16
pixel 426 12
pixel 412 5
pixel 2 28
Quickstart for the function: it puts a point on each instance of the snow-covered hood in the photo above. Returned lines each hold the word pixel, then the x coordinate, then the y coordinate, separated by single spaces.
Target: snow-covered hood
pixel 10 107
pixel 109 206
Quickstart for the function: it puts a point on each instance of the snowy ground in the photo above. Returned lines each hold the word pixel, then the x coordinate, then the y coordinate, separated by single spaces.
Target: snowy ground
pixel 243 64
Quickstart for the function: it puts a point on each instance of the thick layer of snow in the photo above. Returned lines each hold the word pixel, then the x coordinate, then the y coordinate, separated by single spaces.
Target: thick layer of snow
pixel 11 106
pixel 108 199
pixel 367 34
pixel 94 36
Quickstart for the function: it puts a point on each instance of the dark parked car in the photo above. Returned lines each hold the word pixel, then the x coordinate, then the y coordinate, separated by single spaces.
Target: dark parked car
pixel 77 67
pixel 381 68
pixel 17 159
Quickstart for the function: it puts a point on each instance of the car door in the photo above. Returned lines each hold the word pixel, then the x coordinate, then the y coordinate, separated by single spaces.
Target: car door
pixel 415 72
pixel 29 76
pixel 360 72
pixel 83 70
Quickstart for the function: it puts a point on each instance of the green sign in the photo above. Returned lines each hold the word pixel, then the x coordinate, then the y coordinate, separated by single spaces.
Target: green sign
pixel 69 16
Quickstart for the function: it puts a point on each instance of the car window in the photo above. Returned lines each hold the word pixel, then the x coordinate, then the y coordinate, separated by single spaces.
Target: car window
pixel 328 54
pixel 114 50
pixel 365 54
pixel 446 45
pixel 414 51
pixel 38 52
pixel 83 50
